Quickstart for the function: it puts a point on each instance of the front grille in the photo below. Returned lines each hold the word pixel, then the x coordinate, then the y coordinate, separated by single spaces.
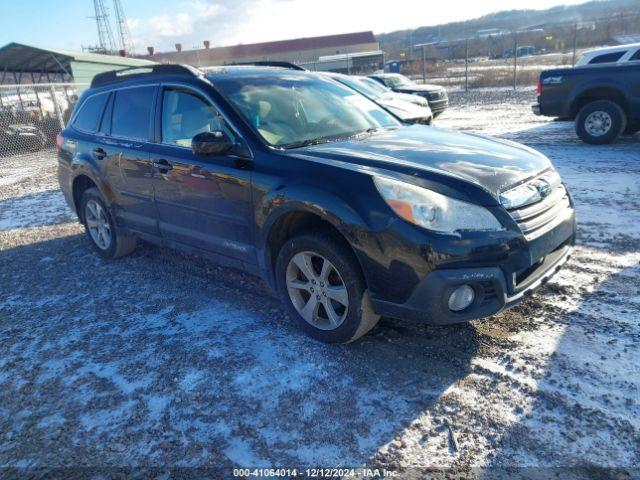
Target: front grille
pixel 524 278
pixel 536 219
pixel 437 95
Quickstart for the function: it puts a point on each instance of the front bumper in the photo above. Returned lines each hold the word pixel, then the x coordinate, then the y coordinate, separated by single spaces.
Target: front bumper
pixel 496 287
pixel 438 106
pixel 429 302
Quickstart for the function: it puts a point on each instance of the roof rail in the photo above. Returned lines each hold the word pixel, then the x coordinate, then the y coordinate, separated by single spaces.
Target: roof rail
pixel 130 73
pixel 268 63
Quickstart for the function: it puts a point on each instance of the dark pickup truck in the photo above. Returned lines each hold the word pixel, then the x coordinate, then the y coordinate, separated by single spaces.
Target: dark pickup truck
pixel 603 100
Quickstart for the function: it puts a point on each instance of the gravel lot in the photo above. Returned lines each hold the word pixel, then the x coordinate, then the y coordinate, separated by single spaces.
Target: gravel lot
pixel 162 360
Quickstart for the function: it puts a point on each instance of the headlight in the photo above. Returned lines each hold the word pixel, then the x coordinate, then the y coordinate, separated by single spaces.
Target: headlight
pixel 433 210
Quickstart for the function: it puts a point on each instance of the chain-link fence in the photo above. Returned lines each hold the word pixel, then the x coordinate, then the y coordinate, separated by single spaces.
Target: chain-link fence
pixel 32 115
pixel 510 57
pixel 499 70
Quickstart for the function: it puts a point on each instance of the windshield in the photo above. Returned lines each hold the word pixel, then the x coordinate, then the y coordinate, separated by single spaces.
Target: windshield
pixel 374 85
pixel 300 109
pixel 394 81
pixel 359 85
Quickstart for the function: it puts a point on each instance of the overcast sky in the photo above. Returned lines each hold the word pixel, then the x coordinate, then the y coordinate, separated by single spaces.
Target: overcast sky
pixel 162 23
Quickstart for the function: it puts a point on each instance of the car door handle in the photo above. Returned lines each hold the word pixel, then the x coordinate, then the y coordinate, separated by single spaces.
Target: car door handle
pixel 99 153
pixel 162 165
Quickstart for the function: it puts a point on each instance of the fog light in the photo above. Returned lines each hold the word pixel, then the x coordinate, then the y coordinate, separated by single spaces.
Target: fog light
pixel 461 298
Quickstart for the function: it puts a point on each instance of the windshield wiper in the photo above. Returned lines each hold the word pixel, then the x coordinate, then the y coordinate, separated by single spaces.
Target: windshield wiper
pixel 313 141
pixel 333 138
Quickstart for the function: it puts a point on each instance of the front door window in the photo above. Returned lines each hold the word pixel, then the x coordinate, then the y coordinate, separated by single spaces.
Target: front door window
pixel 185 114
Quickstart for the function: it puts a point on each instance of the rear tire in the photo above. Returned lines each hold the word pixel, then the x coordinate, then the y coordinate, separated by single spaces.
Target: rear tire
pixel 101 229
pixel 600 122
pixel 312 295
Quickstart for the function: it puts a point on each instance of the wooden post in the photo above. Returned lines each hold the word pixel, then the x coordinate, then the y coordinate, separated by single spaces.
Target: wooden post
pixel 57 107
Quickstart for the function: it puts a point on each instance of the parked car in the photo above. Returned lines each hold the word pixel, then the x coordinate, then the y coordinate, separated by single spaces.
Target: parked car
pixel 620 54
pixel 345 211
pixel 414 111
pixel 604 101
pixel 384 90
pixel 435 94
pixel 18 136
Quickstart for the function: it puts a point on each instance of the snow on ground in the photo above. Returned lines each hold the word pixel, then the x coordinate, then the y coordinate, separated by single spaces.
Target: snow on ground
pixel 162 360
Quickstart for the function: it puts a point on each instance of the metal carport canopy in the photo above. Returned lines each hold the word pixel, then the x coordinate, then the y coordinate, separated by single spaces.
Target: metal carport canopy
pixel 20 58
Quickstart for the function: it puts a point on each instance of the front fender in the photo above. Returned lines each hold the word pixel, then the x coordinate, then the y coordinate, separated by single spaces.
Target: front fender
pixel 329 207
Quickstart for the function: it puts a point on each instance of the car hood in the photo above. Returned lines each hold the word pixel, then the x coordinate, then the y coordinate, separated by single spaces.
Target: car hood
pixel 418 88
pixel 404 97
pixel 493 164
pixel 409 97
pixel 405 110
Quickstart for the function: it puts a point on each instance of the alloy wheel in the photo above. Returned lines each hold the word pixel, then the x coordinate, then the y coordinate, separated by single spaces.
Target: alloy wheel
pixel 98 225
pixel 317 290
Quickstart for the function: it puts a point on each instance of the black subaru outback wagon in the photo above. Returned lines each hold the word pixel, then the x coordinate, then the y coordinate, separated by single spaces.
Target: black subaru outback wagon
pixel 348 213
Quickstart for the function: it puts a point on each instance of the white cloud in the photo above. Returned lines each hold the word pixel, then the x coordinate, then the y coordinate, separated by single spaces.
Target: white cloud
pixel 225 22
pixel 171 26
pixel 207 9
pixel 133 23
pixel 161 31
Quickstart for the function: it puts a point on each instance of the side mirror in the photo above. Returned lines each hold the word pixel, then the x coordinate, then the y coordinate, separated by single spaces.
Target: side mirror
pixel 211 143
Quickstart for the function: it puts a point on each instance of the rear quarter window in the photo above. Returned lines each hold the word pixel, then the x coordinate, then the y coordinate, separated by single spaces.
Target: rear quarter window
pixel 607 58
pixel 89 114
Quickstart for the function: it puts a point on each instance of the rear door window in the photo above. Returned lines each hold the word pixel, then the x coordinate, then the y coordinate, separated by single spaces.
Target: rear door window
pixel 131 117
pixel 636 56
pixel 607 58
pixel 89 115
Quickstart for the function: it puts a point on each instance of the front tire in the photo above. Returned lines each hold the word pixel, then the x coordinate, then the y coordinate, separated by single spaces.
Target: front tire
pixel 600 122
pixel 101 229
pixel 322 287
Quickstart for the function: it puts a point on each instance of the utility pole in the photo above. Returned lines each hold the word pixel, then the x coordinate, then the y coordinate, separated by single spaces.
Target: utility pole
pixel 466 63
pixel 411 47
pixel 424 64
pixel 575 41
pixel 515 60
pixel 126 43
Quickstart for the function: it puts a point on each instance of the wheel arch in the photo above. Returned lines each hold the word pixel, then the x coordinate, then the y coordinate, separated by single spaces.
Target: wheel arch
pixel 296 217
pixel 81 183
pixel 599 92
pixel 83 179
